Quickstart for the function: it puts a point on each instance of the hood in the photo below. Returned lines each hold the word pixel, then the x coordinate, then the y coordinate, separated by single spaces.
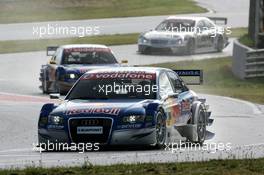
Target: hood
pixel 166 34
pixel 102 107
pixel 82 68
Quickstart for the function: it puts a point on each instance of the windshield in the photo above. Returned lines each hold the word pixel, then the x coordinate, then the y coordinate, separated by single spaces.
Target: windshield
pixel 176 25
pixel 115 86
pixel 88 56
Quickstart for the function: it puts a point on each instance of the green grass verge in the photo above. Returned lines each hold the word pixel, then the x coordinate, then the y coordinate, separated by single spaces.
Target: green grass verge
pixel 37 45
pixel 246 40
pixel 219 79
pixel 49 10
pixel 214 167
pixel 238 32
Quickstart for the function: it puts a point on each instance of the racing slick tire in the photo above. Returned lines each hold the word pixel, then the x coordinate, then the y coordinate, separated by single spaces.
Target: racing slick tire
pixel 160 130
pixel 56 87
pixel 144 50
pixel 44 84
pixel 220 44
pixel 190 47
pixel 200 121
pixel 44 87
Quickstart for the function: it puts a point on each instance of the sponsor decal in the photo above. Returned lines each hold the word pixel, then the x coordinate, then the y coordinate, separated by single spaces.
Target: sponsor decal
pixel 87 50
pixel 114 75
pixel 129 126
pixel 83 70
pixel 111 111
pixel 90 130
pixel 174 111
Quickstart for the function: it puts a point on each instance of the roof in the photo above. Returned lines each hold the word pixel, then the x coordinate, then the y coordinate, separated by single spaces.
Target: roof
pixel 128 69
pixel 195 18
pixel 84 46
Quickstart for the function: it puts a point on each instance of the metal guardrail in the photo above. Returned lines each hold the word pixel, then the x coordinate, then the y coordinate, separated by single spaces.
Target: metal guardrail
pixel 254 65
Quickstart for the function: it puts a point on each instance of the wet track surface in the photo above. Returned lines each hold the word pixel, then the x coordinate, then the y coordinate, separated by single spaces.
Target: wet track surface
pixel 237 122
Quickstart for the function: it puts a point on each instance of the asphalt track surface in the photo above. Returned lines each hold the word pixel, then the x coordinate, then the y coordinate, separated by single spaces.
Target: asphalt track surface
pixel 236 11
pixel 237 122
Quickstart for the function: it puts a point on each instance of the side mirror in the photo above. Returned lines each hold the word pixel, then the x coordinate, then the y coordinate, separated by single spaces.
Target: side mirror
pixel 55 96
pixel 124 61
pixel 173 95
pixel 52 62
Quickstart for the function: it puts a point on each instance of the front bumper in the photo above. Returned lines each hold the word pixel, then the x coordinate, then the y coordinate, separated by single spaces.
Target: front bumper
pixel 174 48
pixel 145 136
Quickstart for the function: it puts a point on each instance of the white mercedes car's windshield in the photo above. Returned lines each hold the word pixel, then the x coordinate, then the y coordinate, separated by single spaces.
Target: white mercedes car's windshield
pixel 176 25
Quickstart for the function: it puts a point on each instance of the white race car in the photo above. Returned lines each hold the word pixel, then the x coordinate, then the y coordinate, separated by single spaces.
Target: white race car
pixel 185 35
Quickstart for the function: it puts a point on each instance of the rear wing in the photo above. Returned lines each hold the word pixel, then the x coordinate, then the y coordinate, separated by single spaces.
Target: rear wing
pixel 219 20
pixel 51 50
pixel 191 77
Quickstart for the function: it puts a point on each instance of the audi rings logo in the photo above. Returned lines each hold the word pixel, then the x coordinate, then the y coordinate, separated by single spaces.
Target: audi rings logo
pixel 89 122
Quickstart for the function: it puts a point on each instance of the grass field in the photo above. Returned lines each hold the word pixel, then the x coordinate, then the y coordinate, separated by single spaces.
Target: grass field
pixel 238 32
pixel 214 167
pixel 12 11
pixel 218 79
pixel 38 45
pixel 246 40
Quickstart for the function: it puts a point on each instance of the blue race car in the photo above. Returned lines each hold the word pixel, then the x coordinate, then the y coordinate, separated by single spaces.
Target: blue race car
pixel 126 106
pixel 69 62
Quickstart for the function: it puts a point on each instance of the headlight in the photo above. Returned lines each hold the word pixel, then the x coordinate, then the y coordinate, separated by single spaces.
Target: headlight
pixel 143 40
pixel 71 76
pixel 56 120
pixel 180 41
pixel 134 119
pixel 176 41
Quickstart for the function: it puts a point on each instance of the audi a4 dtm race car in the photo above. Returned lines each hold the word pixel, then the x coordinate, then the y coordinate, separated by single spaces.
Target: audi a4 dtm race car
pixel 69 62
pixel 185 35
pixel 126 106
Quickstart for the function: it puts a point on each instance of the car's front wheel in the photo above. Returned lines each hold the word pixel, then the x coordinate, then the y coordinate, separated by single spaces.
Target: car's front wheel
pixel 160 129
pixel 44 87
pixel 144 50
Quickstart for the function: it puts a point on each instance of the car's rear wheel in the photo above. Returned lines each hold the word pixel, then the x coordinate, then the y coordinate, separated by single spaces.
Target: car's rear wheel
pixel 220 44
pixel 190 47
pixel 201 126
pixel 160 130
